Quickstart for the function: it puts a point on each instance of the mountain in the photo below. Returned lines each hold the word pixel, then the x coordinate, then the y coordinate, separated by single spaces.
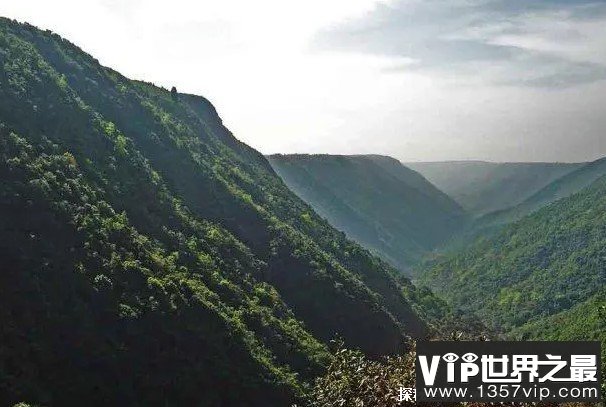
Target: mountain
pixel 375 200
pixel 483 187
pixel 543 276
pixel 560 188
pixel 147 257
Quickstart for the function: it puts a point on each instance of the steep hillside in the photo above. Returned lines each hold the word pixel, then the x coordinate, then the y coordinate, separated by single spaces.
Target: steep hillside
pixel 483 187
pixel 147 257
pixel 585 320
pixel 547 267
pixel 560 188
pixel 375 200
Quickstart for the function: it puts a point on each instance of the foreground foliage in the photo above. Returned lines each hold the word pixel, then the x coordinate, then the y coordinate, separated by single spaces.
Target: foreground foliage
pixel 353 380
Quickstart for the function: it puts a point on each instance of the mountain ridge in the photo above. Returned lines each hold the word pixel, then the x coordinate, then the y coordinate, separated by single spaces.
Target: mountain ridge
pixel 374 199
pixel 154 246
pixel 482 187
pixel 562 187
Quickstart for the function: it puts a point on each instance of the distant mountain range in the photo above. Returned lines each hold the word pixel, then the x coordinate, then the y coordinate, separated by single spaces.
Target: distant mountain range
pixel 376 201
pixel 562 187
pixel 482 187
pixel 532 270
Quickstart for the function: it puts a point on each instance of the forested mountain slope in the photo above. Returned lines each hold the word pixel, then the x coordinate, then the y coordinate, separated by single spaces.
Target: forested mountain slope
pixel 147 257
pixel 547 268
pixel 483 187
pixel 560 188
pixel 375 200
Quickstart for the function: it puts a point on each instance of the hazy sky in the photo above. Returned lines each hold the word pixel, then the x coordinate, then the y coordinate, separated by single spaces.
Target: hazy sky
pixel 501 80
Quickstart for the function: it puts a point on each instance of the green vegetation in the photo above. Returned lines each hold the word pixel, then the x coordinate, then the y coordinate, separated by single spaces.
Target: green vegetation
pixel 585 320
pixel 147 257
pixel 150 258
pixel 547 267
pixel 542 277
pixel 376 201
pixel 484 187
pixel 491 223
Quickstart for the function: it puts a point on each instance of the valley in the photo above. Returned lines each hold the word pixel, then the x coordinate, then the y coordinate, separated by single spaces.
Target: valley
pixel 149 257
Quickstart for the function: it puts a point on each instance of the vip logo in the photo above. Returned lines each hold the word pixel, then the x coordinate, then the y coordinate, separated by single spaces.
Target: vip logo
pixel 467 368
pixel 496 369
pixel 518 370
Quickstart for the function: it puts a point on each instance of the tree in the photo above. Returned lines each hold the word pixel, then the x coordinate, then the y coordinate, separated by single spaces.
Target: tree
pixel 174 94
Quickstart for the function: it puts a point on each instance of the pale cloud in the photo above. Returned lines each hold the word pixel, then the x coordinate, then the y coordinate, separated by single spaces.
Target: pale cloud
pixel 530 43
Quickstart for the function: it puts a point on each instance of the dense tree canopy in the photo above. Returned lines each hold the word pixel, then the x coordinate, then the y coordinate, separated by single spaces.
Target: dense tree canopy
pixel 148 257
pixel 549 266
